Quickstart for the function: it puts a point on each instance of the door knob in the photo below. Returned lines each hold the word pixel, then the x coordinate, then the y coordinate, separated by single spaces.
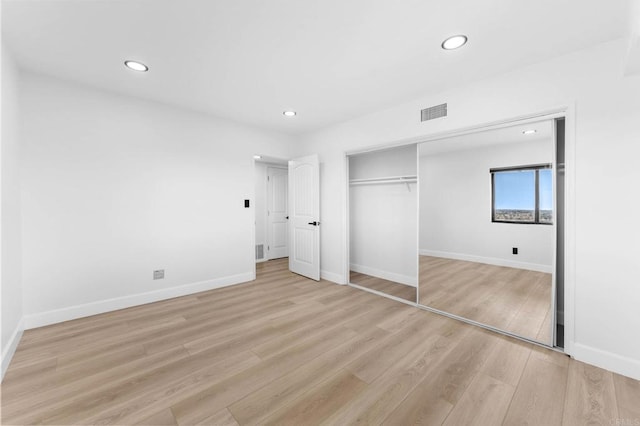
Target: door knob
pixel 314 223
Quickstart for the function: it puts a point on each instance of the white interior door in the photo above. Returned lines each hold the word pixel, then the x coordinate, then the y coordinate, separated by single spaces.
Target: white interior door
pixel 277 213
pixel 304 223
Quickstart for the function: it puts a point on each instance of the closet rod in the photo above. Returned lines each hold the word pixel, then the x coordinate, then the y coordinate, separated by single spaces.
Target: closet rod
pixel 392 179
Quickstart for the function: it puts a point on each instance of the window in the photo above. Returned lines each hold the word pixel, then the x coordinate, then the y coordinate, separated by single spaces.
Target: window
pixel 522 194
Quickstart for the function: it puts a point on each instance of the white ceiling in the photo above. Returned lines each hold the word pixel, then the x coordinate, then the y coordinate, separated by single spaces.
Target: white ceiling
pixel 330 60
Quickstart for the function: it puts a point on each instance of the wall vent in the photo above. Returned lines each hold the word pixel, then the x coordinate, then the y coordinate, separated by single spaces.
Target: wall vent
pixel 433 112
pixel 259 251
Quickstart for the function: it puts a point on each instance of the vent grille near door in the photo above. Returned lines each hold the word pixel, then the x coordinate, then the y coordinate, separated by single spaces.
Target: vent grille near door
pixel 433 112
pixel 259 251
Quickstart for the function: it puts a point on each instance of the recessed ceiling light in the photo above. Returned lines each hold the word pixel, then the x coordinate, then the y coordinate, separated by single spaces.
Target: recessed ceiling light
pixel 529 132
pixel 136 66
pixel 289 113
pixel 257 157
pixel 454 42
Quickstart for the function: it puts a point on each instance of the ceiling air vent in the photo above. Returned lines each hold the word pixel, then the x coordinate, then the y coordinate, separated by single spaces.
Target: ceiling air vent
pixel 433 112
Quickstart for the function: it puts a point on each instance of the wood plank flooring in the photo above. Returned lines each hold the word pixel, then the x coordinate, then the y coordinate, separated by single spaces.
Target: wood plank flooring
pixel 287 350
pixel 514 300
pixel 392 288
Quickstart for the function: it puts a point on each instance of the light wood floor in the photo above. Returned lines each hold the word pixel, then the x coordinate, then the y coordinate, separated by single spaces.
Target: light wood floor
pixel 392 288
pixel 515 300
pixel 286 350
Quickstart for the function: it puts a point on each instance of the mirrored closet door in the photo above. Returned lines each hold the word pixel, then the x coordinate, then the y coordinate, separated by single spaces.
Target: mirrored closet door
pixel 487 233
pixel 383 222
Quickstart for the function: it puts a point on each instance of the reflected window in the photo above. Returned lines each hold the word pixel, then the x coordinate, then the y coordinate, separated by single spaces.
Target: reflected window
pixel 522 194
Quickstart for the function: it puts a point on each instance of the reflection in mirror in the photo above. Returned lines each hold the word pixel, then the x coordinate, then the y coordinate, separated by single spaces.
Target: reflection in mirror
pixel 487 237
pixel 383 222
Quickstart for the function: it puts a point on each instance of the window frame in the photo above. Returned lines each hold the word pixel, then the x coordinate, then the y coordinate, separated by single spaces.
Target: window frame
pixel 536 214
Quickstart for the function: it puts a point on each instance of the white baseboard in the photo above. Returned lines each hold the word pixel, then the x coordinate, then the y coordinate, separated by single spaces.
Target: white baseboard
pixel 333 277
pixel 79 311
pixel 488 260
pixel 626 366
pixel 10 349
pixel 385 275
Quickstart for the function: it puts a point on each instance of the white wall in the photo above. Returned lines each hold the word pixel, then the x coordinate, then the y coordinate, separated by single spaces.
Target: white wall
pixel 455 208
pixel 632 61
pixel 399 161
pixel 114 188
pixel 10 224
pixel 605 128
pixel 383 217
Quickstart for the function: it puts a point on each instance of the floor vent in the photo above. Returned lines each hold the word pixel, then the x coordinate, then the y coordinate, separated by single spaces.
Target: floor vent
pixel 433 112
pixel 259 251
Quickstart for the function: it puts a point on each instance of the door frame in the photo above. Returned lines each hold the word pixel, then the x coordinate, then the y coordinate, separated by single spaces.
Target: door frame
pixel 566 111
pixel 263 159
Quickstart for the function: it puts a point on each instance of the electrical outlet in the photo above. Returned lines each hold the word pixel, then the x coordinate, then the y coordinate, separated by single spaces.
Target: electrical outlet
pixel 514 250
pixel 158 274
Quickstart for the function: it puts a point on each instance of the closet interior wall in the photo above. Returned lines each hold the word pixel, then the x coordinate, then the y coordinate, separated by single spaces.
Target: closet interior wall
pixel 383 203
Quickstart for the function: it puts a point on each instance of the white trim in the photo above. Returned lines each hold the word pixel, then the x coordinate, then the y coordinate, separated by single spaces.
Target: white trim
pixel 94 308
pixel 252 218
pixel 626 366
pixel 333 277
pixel 385 275
pixel 418 223
pixel 9 350
pixel 346 223
pixel 569 319
pixel 553 325
pixel 488 260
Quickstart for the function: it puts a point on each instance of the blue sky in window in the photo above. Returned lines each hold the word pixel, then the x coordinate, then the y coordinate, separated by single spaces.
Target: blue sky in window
pixel 516 190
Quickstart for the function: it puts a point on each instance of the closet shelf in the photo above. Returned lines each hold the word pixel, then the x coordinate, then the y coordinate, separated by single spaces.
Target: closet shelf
pixel 383 180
